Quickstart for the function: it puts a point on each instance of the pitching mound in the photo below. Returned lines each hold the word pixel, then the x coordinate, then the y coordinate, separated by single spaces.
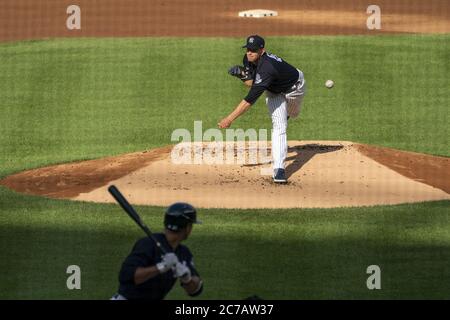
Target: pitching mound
pixel 321 174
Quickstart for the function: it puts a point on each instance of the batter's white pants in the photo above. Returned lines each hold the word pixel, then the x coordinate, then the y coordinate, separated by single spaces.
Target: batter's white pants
pixel 281 106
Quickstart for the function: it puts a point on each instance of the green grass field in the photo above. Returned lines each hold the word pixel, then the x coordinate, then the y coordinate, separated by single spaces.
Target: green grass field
pixel 65 100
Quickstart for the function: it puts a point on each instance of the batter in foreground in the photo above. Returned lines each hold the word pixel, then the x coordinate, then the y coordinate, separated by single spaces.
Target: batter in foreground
pixel 285 89
pixel 147 274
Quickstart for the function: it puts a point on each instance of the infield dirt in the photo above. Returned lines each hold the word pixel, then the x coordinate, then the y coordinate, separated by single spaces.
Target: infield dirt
pixel 31 19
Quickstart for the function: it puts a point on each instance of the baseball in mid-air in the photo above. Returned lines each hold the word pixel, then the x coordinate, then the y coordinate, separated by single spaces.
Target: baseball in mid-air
pixel 329 84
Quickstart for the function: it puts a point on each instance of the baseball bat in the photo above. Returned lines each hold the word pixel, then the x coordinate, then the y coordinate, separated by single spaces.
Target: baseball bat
pixel 133 215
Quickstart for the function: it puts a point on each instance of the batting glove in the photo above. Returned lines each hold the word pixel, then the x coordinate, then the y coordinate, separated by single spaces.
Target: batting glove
pixel 183 272
pixel 169 261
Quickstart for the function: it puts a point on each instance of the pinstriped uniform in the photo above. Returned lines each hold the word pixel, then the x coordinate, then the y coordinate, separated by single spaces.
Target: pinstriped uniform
pixel 280 107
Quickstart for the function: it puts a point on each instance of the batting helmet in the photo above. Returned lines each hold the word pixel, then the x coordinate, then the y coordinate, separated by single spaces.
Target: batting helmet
pixel 179 215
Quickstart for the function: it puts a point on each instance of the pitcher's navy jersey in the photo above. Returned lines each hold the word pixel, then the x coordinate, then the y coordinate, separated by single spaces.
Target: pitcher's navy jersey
pixel 145 253
pixel 271 73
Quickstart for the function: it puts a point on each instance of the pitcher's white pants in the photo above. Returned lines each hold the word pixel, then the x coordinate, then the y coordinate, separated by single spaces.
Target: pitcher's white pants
pixel 280 107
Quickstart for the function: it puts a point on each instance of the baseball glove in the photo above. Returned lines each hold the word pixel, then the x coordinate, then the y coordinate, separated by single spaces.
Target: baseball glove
pixel 241 72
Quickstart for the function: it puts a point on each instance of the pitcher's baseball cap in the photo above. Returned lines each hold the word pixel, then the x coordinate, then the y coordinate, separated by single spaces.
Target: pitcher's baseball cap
pixel 254 42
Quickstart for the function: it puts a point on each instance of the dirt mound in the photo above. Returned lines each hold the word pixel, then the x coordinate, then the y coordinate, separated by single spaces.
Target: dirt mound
pixel 321 174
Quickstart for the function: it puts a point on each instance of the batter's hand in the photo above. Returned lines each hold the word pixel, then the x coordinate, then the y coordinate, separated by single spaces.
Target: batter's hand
pixel 183 273
pixel 169 260
pixel 224 123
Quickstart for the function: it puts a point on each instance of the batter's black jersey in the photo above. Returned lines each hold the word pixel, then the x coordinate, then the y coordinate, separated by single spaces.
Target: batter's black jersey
pixel 145 253
pixel 271 73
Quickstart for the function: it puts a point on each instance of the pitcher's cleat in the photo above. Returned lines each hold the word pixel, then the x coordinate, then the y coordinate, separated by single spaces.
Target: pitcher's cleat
pixel 279 176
